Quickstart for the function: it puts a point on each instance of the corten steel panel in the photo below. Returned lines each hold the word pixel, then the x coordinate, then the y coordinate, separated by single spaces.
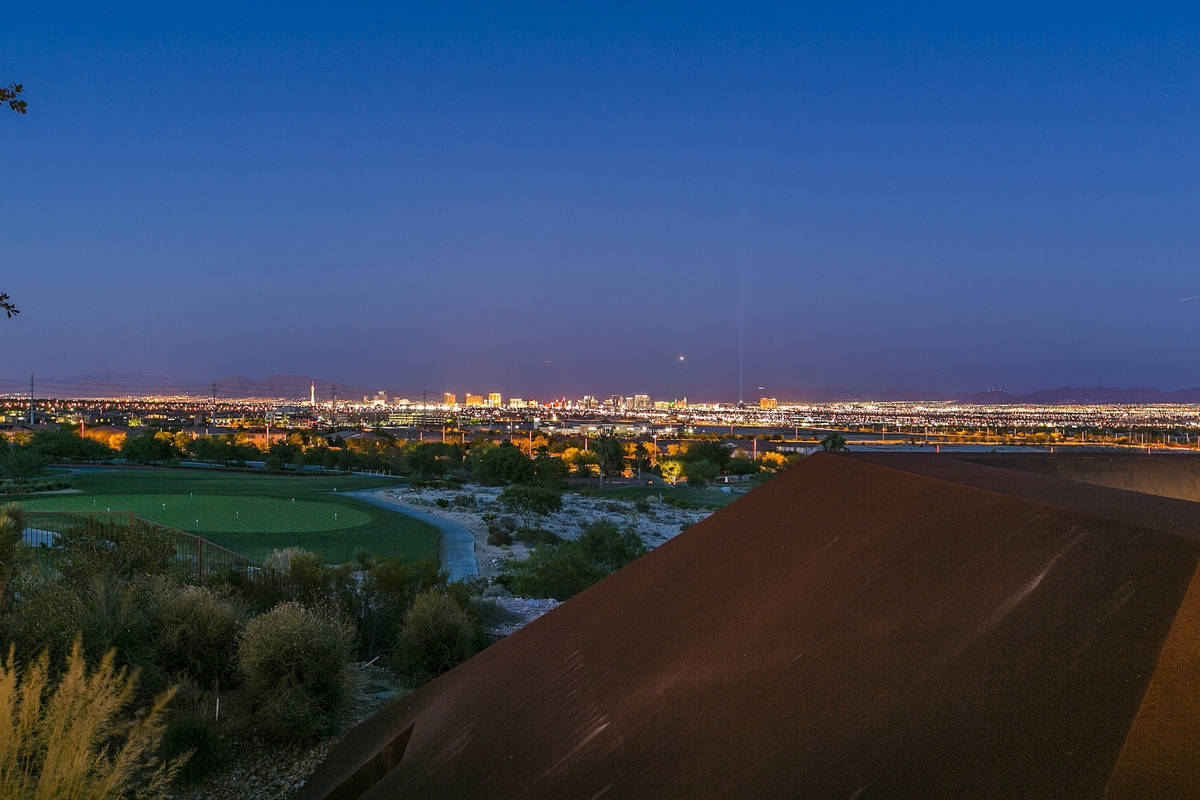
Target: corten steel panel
pixel 846 628
pixel 1027 475
pixel 1169 474
pixel 1161 754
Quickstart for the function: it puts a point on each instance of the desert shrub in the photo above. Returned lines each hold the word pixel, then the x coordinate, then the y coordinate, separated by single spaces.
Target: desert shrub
pixel 531 502
pixel 293 660
pixel 118 551
pixel 438 634
pixel 364 559
pixel 305 577
pixel 537 536
pixel 402 581
pixel 442 502
pixel 196 734
pixel 560 572
pixel 608 546
pixel 566 569
pixel 642 505
pixel 281 560
pixel 464 500
pixel 47 617
pixel 198 634
pixel 74 737
pixel 12 524
pixel 386 594
pixel 498 537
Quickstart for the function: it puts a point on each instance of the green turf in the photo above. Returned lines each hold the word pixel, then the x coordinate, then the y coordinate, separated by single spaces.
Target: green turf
pixel 254 514
pixel 205 514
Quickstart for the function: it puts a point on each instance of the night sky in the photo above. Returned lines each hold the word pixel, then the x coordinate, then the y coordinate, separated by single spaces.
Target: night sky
pixel 564 199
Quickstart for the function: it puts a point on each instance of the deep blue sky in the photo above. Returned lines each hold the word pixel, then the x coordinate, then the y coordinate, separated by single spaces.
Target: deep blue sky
pixel 563 199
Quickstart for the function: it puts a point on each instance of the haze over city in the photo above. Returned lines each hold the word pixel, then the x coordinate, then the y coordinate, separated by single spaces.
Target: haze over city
pixel 555 201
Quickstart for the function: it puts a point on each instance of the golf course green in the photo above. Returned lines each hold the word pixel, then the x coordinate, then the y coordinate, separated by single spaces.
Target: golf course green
pixel 254 514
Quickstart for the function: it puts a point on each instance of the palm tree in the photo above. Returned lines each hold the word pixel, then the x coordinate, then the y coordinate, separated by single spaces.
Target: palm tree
pixel 833 442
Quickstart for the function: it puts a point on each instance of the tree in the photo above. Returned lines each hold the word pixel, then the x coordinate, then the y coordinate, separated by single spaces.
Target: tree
pixel 22 463
pixel 11 96
pixel 717 453
pixel 500 465
pixel 741 466
pixel 583 460
pixel 700 472
pixel 550 471
pixel 833 442
pixel 610 455
pixel 531 503
pixel 148 447
pixel 672 469
pixel 641 459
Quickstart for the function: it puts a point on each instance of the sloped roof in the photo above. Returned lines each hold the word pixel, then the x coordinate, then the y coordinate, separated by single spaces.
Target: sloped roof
pixel 847 629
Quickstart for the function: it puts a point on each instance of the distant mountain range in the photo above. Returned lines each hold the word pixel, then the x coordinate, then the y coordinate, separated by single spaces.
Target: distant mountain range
pixel 296 387
pixel 1087 395
pixel 1063 395
pixel 116 384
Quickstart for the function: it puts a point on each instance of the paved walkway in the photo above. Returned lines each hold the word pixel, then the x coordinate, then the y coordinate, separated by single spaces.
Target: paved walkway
pixel 456 550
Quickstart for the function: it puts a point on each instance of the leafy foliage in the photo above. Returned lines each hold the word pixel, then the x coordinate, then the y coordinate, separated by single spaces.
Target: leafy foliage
pixel 717 453
pixel 12 524
pixel 562 571
pixel 833 442
pixel 294 661
pixel 11 96
pixel 700 472
pixel 21 463
pixel 500 465
pixel 531 502
pixel 198 633
pixel 610 456
pixel 438 634
pixel 148 447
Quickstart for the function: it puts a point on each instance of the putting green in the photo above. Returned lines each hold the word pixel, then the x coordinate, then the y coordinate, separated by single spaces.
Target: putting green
pixel 210 513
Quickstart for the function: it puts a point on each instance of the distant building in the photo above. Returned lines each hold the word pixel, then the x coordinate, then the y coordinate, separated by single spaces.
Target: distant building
pixel 641 402
pixel 449 398
pixel 768 403
pixel 473 399
pixel 516 402
pixel 380 399
pixel 494 400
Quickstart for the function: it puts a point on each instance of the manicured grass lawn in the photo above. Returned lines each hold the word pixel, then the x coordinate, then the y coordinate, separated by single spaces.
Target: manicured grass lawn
pixel 205 514
pixel 255 514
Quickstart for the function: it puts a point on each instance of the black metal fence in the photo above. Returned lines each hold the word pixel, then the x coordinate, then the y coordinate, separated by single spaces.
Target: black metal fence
pixel 194 554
